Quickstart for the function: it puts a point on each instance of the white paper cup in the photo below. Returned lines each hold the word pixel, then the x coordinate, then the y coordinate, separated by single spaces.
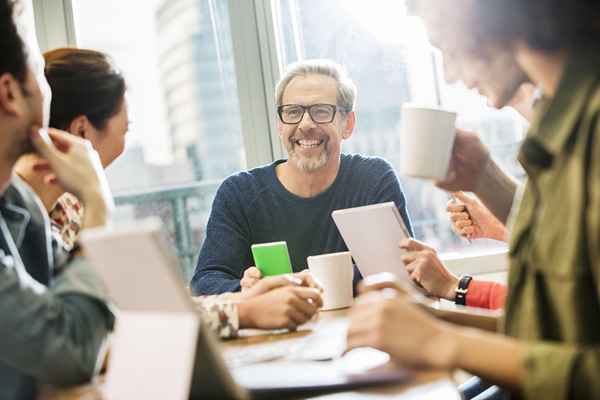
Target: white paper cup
pixel 334 272
pixel 426 140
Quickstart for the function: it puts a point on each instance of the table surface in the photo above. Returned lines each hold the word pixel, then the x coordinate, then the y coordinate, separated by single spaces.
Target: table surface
pixel 426 383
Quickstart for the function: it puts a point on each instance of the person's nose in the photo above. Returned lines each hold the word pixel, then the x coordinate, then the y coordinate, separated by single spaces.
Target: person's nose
pixel 306 122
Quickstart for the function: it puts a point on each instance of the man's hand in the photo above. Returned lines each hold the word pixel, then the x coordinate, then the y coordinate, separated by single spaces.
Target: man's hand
pixel 251 276
pixel 269 283
pixel 308 280
pixel 388 322
pixel 472 220
pixel 424 267
pixel 468 162
pixel 283 307
pixel 74 164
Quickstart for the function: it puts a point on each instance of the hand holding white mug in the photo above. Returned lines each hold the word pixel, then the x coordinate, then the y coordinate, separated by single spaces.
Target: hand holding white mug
pixel 467 163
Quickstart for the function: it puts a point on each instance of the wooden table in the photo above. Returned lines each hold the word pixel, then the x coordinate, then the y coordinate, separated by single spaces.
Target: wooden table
pixel 426 385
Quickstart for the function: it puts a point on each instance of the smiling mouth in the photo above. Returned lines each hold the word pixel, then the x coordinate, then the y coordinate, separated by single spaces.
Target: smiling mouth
pixel 308 144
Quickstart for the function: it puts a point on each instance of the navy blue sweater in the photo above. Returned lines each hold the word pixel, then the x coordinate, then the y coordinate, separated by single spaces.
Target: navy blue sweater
pixel 254 207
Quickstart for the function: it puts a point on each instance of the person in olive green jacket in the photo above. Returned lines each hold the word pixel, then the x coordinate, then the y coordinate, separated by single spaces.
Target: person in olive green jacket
pixel 549 342
pixel 54 314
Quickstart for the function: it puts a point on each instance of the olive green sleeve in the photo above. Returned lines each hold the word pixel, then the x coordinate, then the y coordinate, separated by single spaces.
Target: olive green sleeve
pixel 562 371
pixel 558 371
pixel 593 198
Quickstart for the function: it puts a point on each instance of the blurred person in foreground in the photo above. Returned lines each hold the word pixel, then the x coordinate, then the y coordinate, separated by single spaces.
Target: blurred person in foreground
pixel 549 342
pixel 54 314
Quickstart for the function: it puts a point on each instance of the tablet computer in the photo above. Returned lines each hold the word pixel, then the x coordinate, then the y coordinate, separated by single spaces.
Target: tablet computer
pixel 373 234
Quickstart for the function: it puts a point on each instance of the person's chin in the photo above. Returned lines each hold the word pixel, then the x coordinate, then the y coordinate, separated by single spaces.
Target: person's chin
pixel 311 164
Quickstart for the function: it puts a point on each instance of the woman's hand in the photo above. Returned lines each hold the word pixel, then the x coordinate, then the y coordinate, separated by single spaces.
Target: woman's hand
pixel 388 321
pixel 283 306
pixel 424 267
pixel 74 164
pixel 472 220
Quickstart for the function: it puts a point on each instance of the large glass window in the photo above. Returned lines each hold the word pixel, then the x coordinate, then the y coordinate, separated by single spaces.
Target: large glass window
pixel 185 134
pixel 388 56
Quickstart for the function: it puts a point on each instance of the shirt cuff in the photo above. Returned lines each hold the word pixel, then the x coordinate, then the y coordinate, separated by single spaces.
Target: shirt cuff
pixel 484 294
pixel 220 313
pixel 548 371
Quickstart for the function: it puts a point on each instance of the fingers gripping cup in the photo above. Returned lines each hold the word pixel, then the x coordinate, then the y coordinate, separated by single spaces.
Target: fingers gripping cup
pixel 427 136
pixel 334 273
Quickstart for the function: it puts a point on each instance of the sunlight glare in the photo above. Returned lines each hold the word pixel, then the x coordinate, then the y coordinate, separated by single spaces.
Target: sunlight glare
pixel 383 18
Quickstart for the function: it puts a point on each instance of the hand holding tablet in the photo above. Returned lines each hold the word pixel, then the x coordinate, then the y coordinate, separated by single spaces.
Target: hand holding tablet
pixel 373 235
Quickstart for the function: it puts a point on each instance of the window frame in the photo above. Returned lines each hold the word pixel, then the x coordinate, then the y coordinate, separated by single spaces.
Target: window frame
pixel 54 23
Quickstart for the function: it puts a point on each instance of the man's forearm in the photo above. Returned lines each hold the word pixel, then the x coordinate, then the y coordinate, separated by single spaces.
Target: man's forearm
pixel 497 191
pixel 215 280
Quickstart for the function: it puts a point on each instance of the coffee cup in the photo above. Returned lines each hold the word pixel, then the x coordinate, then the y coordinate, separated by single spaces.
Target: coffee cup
pixel 426 140
pixel 334 272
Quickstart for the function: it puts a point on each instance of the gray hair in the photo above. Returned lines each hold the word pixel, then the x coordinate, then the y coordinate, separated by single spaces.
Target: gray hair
pixel 346 89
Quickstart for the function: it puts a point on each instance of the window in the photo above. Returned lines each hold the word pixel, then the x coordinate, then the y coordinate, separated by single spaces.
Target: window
pixel 388 56
pixel 185 135
pixel 184 61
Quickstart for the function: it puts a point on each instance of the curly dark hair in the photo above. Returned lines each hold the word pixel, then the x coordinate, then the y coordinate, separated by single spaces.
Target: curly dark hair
pixel 12 49
pixel 547 25
pixel 83 82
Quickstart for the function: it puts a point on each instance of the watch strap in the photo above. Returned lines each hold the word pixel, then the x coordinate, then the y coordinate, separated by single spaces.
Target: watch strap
pixel 462 290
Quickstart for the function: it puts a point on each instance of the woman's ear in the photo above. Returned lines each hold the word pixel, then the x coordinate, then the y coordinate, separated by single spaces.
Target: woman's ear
pixel 79 126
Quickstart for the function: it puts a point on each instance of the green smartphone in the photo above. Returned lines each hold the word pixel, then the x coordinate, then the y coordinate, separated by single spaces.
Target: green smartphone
pixel 272 258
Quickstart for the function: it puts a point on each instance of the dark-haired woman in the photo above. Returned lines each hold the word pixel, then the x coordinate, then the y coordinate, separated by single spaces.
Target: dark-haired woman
pixel 88 100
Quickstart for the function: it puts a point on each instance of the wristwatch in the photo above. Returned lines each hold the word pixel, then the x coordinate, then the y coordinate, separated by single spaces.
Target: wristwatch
pixel 461 291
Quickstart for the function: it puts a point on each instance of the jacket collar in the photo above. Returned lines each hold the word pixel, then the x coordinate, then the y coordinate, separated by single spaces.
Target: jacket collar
pixel 554 125
pixel 17 218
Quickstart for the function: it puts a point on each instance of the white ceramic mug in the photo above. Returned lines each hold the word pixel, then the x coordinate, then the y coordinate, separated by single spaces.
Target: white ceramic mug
pixel 427 137
pixel 334 272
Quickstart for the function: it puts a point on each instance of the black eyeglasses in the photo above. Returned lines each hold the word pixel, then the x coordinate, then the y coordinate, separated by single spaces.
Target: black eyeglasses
pixel 319 113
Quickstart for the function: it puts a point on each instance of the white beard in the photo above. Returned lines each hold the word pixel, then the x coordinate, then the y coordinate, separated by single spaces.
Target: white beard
pixel 311 164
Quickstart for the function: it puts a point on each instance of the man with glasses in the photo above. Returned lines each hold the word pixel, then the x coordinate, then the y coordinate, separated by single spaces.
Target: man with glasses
pixel 292 199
